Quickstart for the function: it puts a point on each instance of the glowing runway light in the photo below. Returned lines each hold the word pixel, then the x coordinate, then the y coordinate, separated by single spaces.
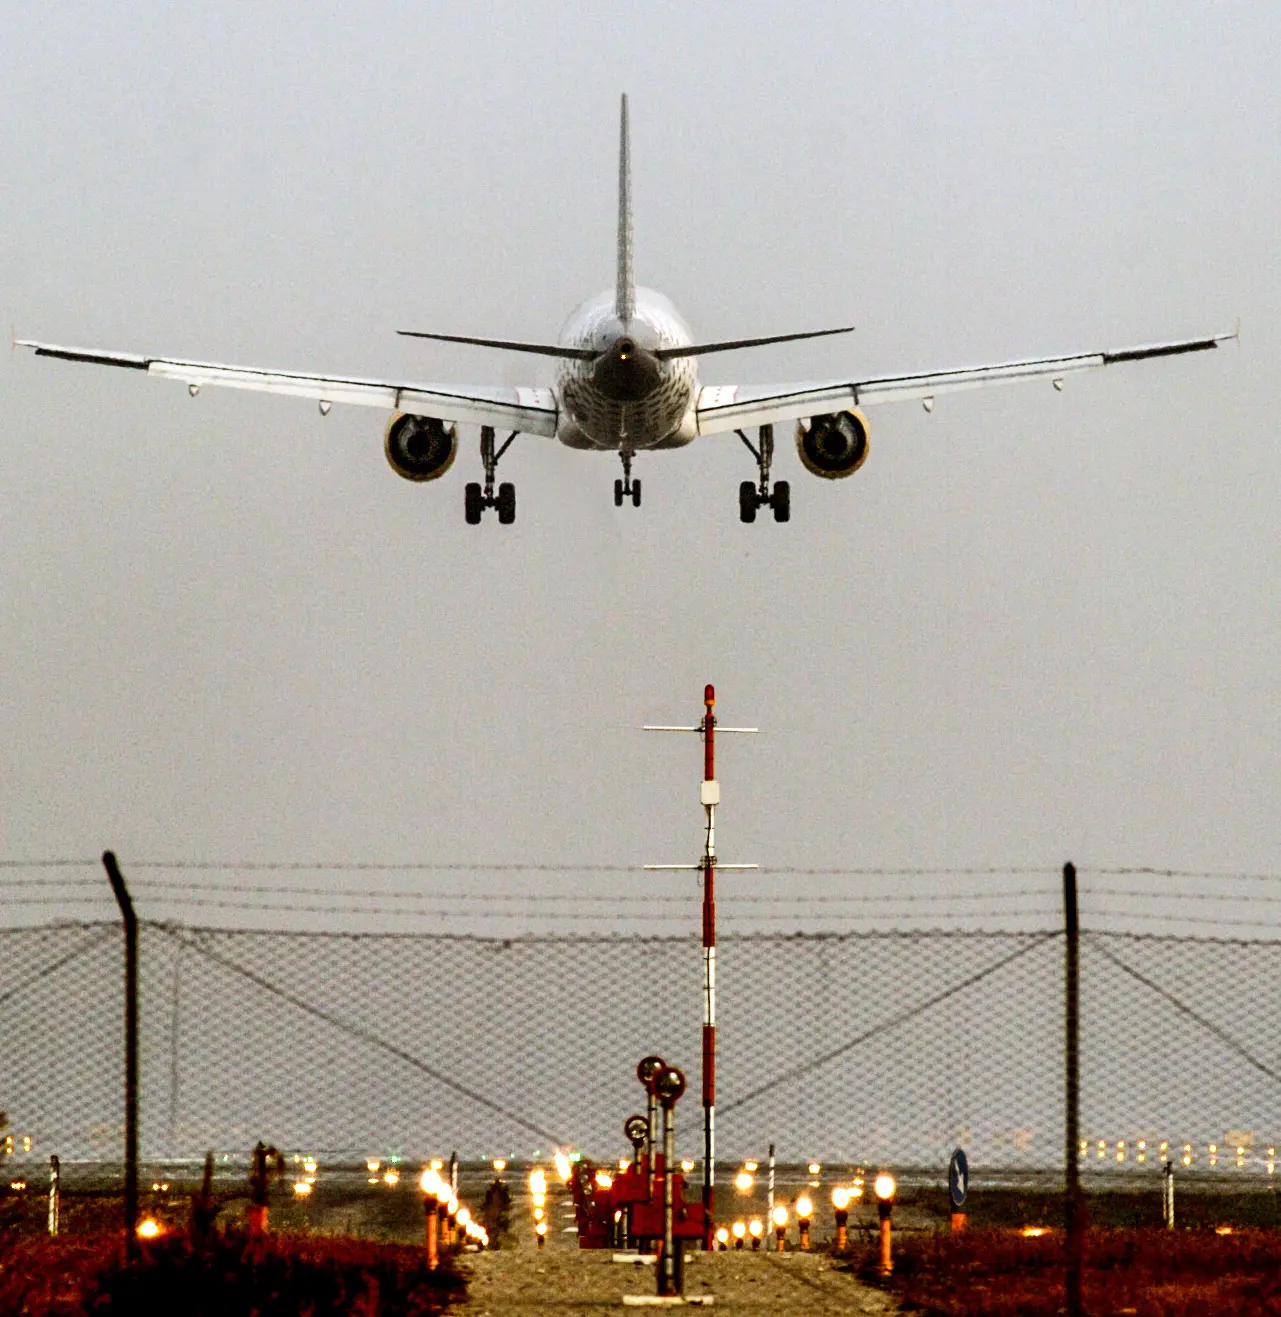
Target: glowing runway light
pixel 148 1228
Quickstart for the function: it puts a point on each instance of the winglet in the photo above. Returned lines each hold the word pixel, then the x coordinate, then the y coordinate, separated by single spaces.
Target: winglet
pixel 625 285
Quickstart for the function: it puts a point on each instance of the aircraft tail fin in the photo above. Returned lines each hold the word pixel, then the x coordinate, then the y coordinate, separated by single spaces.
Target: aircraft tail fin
pixel 625 285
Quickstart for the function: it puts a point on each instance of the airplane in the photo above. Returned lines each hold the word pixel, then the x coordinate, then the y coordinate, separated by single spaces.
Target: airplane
pixel 626 382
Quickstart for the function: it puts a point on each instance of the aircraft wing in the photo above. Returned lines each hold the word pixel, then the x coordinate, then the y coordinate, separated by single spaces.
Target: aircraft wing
pixel 731 407
pixel 531 411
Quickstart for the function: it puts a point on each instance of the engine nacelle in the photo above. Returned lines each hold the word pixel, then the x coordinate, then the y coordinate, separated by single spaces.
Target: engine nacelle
pixel 835 445
pixel 420 447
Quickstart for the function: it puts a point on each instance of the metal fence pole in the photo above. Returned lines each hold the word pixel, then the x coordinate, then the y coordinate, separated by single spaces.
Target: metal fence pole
pixel 131 1052
pixel 1071 1117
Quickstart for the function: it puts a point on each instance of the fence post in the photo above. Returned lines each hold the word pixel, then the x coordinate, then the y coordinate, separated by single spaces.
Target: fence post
pixel 1075 1222
pixel 131 1052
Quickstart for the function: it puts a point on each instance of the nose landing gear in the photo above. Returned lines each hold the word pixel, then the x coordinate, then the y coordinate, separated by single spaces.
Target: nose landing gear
pixel 759 494
pixel 627 487
pixel 476 499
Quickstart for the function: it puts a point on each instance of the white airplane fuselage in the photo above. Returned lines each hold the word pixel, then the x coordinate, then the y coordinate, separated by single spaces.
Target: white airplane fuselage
pixel 661 414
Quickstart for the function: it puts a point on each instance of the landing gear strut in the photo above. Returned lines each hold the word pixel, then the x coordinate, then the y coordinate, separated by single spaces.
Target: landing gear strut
pixel 476 500
pixel 627 487
pixel 752 496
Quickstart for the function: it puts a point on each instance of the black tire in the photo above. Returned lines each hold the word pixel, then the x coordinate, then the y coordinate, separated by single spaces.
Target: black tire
pixel 781 501
pixel 747 501
pixel 635 493
pixel 506 504
pixel 473 504
pixel 618 493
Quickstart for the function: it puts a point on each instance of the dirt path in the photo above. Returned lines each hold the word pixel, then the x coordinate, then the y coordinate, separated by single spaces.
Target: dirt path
pixel 567 1281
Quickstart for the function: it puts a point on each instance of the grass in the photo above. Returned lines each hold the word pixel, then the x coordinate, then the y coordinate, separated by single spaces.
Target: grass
pixel 1128 1273
pixel 230 1276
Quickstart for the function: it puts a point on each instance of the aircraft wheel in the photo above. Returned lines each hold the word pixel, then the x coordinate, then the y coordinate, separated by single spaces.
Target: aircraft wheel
pixel 473 504
pixel 618 493
pixel 506 504
pixel 747 501
pixel 781 501
pixel 635 493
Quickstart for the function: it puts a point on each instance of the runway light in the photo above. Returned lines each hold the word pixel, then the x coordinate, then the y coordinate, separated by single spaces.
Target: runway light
pixel 563 1167
pixel 464 1217
pixel 1222 1230
pixel 301 1188
pixel 804 1207
pixel 841 1199
pixel 687 1164
pixel 884 1187
pixel 780 1218
pixel 309 1166
pixel 722 1237
pixel 148 1228
pixel 1032 1232
pixel 740 1233
pixel 539 1213
pixel 373 1179
pixel 17 1185
pixel 756 1228
pixel 623 1164
pixel 538 1181
pixel 603 1179
pixel 429 1182
pixel 815 1168
pixel 750 1166
pixel 391 1178
pixel 540 1200
pixel 500 1164
pixel 743 1182
pixel 372 1166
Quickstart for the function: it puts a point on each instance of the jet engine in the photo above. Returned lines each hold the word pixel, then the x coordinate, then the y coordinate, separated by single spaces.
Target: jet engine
pixel 833 446
pixel 420 447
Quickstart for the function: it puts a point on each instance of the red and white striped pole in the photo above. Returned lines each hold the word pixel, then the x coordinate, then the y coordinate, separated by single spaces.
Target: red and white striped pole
pixel 711 797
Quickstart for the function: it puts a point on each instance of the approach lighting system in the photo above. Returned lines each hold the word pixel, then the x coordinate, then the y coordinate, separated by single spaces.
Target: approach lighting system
pixel 884 1187
pixel 779 1217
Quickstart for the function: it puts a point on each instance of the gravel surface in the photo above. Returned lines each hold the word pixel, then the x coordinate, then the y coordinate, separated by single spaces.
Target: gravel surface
pixel 565 1280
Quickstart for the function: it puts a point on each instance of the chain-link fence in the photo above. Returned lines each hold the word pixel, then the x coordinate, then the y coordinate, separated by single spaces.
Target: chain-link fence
pixel 860 1047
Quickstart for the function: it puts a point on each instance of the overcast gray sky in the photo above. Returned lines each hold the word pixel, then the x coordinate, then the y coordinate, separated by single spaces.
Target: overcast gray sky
pixel 1033 627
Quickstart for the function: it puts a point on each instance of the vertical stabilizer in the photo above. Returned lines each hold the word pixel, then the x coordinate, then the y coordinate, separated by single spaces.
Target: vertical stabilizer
pixel 625 286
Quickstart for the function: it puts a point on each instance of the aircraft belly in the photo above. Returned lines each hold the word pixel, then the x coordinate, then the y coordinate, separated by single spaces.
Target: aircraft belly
pixel 604 423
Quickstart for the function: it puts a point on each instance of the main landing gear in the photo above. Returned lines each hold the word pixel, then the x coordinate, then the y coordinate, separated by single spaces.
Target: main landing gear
pixel 752 496
pixel 627 487
pixel 476 500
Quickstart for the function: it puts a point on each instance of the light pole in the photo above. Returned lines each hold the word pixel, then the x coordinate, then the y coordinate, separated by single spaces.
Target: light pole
pixel 710 796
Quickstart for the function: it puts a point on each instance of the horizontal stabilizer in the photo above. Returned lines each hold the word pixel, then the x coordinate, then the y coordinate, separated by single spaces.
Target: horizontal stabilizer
pixel 505 345
pixel 733 345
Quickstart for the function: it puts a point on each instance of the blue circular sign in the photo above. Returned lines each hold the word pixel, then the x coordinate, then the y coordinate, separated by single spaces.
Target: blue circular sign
pixel 958 1179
